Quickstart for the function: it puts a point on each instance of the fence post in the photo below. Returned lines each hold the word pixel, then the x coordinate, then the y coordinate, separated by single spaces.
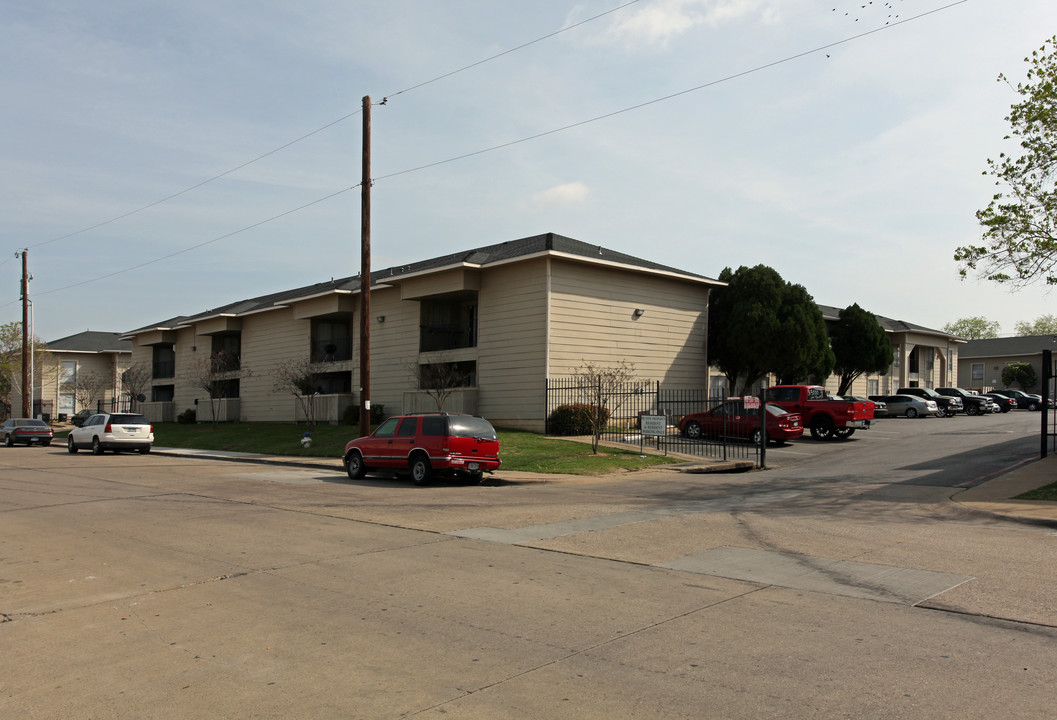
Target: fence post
pixel 1047 373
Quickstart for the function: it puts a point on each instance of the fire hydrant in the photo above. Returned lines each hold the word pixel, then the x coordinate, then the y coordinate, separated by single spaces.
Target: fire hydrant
pixel 306 440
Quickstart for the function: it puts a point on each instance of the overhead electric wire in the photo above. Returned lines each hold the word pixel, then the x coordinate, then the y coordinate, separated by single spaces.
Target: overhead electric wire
pixel 647 103
pixel 186 190
pixel 511 143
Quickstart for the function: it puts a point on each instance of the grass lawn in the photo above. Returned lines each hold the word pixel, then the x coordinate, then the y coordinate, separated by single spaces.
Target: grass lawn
pixel 1046 492
pixel 519 450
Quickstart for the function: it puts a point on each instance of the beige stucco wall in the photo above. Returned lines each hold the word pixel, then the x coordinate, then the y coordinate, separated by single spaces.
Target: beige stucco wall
pixel 108 365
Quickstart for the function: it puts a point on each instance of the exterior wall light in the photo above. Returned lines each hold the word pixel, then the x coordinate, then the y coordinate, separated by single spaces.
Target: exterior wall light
pixel 380 318
pixel 639 312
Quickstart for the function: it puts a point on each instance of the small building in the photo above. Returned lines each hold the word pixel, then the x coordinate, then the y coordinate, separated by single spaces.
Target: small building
pixel 984 360
pixel 82 370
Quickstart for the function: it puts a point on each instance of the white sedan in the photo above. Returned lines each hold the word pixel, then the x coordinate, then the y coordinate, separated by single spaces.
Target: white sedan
pixel 112 431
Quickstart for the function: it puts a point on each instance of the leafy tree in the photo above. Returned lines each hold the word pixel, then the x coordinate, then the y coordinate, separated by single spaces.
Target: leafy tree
pixel 11 362
pixel 860 345
pixel 973 328
pixel 1019 228
pixel 759 323
pixel 1020 373
pixel 1043 325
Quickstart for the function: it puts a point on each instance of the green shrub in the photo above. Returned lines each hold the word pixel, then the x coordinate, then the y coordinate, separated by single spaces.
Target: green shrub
pixel 187 417
pixel 575 419
pixel 351 416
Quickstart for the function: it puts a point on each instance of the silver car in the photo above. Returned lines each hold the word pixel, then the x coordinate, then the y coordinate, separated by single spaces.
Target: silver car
pixel 910 406
pixel 112 431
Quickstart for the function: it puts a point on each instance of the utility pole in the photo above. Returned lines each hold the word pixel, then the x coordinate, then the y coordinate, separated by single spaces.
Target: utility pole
pixel 365 274
pixel 27 392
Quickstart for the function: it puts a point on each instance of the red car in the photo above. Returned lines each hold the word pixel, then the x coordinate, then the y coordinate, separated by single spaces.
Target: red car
pixel 427 444
pixel 731 419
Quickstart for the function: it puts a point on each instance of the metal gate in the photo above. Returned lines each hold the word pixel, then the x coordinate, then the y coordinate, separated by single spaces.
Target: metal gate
pixel 574 407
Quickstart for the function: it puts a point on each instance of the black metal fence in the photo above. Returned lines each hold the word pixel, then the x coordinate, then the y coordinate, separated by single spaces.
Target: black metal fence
pixel 620 407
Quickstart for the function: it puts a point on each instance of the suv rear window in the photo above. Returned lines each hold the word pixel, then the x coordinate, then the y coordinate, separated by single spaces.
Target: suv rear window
pixel 474 427
pixel 129 420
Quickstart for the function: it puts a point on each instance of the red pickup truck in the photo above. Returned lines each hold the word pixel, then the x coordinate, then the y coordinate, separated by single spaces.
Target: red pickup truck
pixel 827 418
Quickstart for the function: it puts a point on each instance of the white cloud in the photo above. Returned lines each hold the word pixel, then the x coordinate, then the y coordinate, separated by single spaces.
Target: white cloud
pixel 574 193
pixel 657 23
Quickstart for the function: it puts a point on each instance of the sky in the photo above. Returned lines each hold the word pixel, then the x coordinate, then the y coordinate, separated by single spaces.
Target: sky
pixel 164 158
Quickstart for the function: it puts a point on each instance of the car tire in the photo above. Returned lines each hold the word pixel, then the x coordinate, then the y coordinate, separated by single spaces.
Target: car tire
pixel 70 446
pixel 822 428
pixel 756 437
pixel 972 410
pixel 8 442
pixel 693 430
pixel 421 471
pixel 144 450
pixel 912 412
pixel 1033 405
pixel 843 433
pixel 45 443
pixel 97 448
pixel 354 466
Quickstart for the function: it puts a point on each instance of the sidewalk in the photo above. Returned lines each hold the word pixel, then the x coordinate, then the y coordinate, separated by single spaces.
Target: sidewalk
pixel 994 496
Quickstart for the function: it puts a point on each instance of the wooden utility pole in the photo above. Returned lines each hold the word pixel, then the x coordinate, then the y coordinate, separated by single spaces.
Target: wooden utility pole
pixel 365 274
pixel 27 392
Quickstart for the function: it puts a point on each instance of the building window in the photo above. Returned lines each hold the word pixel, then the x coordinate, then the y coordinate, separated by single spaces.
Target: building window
pixel 163 393
pixel 226 349
pixel 978 374
pixel 440 376
pixel 717 387
pixel 912 361
pixel 163 362
pixel 334 383
pixel 331 340
pixel 873 387
pixel 448 322
pixel 68 372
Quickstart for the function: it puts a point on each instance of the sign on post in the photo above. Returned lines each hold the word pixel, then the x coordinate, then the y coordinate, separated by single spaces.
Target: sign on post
pixel 654 425
pixel 752 402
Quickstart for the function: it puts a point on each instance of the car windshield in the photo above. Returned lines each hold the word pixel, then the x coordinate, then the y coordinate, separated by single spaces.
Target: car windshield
pixel 129 420
pixel 775 410
pixel 474 427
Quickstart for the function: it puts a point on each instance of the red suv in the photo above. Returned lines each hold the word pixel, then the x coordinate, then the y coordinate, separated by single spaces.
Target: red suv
pixel 427 444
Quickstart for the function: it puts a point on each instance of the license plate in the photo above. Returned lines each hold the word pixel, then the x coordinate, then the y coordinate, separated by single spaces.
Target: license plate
pixel 131 430
pixel 473 466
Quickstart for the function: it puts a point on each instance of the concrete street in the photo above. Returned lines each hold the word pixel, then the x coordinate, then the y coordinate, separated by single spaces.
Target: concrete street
pixel 843 582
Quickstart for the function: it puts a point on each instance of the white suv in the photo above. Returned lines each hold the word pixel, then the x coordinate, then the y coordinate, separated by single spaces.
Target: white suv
pixel 112 431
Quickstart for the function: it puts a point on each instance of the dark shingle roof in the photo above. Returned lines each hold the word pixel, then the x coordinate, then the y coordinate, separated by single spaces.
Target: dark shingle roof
pixel 500 252
pixel 831 313
pixel 1002 347
pixel 91 341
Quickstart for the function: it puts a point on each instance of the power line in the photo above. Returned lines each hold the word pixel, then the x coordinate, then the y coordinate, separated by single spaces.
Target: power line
pixel 655 101
pixel 493 148
pixel 511 50
pixel 186 190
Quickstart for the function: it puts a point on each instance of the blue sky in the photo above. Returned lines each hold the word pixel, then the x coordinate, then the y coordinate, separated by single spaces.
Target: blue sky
pixel 849 160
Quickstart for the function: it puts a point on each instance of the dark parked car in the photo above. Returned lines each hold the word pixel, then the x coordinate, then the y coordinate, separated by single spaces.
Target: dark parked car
pixel 949 406
pixel 25 430
pixel 731 419
pixel 974 404
pixel 1023 399
pixel 1004 403
pixel 427 444
pixel 78 418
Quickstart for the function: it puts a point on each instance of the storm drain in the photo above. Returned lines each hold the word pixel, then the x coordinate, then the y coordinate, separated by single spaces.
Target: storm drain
pixel 883 583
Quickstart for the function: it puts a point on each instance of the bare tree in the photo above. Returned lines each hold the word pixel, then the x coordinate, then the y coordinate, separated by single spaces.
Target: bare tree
pixel 135 381
pixel 301 377
pixel 218 374
pixel 439 380
pixel 11 362
pixel 88 387
pixel 604 389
